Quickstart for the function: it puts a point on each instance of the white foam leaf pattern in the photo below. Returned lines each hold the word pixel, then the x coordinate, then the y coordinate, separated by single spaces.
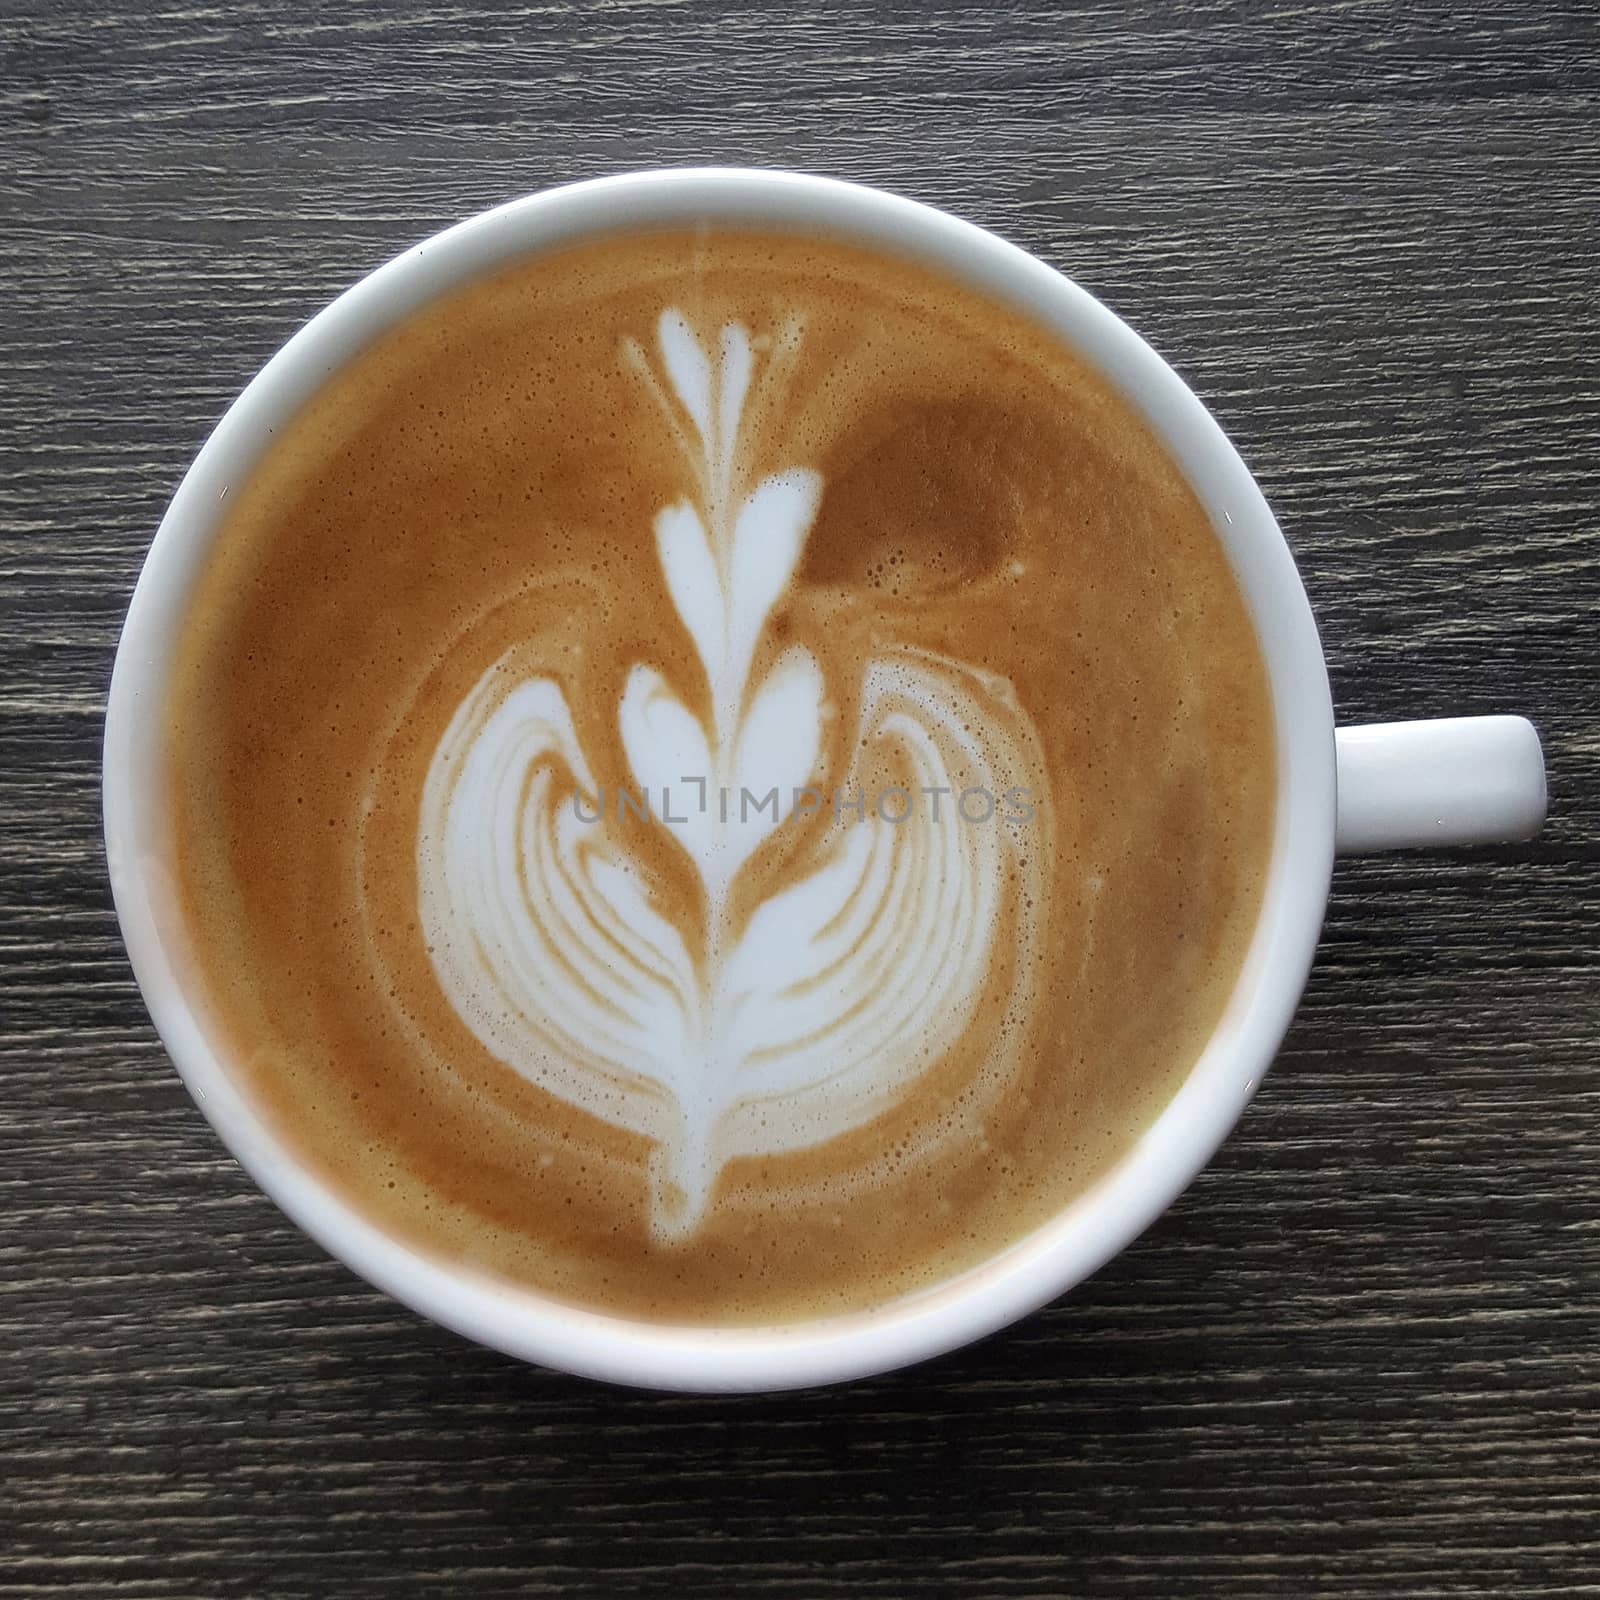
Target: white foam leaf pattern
pixel 689 372
pixel 767 540
pixel 692 581
pixel 538 931
pixel 724 1040
pixel 665 744
pixel 863 973
pixel 737 365
pixel 776 753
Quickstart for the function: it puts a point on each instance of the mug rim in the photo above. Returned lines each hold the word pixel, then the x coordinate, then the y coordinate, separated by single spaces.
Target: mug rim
pixel 1095 1224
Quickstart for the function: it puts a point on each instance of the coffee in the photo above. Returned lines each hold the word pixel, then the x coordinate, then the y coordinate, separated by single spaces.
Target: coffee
pixel 721 776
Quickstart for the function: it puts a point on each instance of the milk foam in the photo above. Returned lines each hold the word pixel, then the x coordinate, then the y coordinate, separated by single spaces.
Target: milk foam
pixel 526 475
pixel 769 1032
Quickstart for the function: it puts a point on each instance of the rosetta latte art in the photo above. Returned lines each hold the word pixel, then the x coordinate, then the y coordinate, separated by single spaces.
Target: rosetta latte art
pixel 756 1032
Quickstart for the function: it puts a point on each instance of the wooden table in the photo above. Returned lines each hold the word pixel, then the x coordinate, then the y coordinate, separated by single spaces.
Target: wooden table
pixel 1359 1357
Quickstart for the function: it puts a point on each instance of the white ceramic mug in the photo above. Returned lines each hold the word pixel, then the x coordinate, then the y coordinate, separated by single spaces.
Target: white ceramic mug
pixel 1449 782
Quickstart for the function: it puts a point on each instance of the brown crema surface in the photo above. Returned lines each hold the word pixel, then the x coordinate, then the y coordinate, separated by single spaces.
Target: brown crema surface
pixel 485 479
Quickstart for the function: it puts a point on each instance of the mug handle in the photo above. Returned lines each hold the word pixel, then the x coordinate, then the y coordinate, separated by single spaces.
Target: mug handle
pixel 1459 780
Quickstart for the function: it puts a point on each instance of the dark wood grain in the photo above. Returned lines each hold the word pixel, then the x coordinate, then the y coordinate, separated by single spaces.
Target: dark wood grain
pixel 1360 1357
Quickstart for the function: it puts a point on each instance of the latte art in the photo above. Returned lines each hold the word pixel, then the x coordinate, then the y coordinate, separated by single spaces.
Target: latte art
pixel 721 777
pixel 805 1018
